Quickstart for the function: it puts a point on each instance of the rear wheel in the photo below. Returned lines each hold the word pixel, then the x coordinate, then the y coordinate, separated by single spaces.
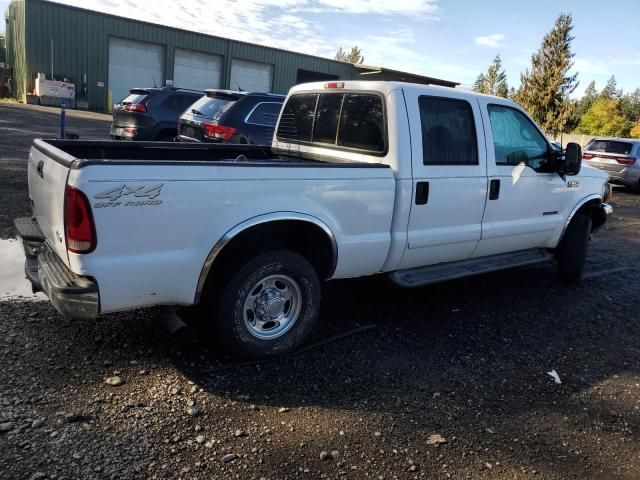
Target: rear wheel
pixel 571 254
pixel 269 305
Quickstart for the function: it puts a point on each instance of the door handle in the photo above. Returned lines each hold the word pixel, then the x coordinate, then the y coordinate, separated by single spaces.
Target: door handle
pixel 494 189
pixel 40 168
pixel 422 193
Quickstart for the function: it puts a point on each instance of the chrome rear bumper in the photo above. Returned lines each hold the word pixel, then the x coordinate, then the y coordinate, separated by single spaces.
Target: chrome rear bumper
pixel 74 296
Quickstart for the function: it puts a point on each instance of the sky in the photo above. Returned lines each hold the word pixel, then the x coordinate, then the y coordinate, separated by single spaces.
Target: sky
pixel 450 39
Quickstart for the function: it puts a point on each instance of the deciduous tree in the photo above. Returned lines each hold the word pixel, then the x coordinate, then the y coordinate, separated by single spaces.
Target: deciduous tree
pixel 604 118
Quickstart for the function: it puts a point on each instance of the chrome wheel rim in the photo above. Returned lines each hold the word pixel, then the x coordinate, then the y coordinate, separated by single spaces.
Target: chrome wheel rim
pixel 272 306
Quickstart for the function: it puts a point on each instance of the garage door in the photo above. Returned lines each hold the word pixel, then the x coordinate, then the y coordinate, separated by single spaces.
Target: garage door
pixel 251 76
pixel 134 64
pixel 197 70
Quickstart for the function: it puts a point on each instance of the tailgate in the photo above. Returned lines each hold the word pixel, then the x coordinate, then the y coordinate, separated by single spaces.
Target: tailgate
pixel 47 175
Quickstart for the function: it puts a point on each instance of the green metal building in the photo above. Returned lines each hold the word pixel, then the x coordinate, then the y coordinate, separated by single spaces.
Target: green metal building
pixel 105 55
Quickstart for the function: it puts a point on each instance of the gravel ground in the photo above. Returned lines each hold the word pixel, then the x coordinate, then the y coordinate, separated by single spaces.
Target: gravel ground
pixel 450 381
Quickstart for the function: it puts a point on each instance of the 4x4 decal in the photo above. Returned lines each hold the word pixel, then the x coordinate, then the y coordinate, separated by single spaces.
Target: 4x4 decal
pixel 138 191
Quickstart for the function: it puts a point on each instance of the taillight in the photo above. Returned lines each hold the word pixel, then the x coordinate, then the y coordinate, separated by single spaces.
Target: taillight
pixel 130 131
pixel 79 229
pixel 626 160
pixel 587 156
pixel 218 132
pixel 135 107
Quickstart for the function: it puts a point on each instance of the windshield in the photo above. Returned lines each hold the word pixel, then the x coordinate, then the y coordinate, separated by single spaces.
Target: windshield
pixel 212 108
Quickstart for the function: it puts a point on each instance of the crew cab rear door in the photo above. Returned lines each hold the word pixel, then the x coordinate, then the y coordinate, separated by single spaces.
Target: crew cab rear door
pixel 449 177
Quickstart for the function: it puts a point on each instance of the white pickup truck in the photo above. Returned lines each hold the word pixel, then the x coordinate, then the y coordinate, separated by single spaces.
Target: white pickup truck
pixel 422 183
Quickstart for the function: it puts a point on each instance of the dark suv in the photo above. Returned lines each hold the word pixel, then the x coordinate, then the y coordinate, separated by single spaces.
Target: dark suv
pixel 150 113
pixel 231 117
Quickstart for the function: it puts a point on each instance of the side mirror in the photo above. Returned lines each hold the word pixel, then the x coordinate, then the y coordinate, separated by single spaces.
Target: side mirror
pixel 572 159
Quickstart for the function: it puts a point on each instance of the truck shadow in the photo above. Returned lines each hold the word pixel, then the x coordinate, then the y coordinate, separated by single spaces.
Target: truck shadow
pixel 466 358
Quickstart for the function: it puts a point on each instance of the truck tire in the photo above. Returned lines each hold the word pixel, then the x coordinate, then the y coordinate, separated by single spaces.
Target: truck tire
pixel 571 254
pixel 269 305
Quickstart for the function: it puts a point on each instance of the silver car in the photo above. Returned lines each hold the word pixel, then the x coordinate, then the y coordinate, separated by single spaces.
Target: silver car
pixel 619 157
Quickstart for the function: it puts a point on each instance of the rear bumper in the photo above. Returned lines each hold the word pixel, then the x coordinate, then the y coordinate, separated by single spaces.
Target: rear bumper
pixel 628 176
pixel 74 296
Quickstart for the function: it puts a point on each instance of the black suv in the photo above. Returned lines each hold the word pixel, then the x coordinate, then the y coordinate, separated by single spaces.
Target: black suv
pixel 150 113
pixel 231 117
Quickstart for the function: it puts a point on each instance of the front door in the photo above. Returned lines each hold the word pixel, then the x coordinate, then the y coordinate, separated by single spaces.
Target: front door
pixel 525 194
pixel 449 178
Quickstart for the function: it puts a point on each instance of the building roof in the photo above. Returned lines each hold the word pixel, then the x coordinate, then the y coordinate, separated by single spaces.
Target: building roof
pixel 383 73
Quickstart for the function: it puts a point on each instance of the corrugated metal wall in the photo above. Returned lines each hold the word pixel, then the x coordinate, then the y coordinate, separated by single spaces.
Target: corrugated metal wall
pixel 16 48
pixel 81 45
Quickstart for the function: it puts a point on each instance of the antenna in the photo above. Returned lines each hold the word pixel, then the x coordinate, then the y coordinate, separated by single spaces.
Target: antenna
pixel 154 82
pixel 239 87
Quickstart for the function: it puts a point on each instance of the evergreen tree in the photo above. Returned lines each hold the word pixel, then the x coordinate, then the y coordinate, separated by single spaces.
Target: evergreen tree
pixel 610 90
pixel 353 56
pixel 545 88
pixel 630 106
pixel 494 82
pixel 479 84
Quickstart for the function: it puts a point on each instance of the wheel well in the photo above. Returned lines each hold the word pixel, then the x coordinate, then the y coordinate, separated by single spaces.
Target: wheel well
pixel 303 237
pixel 592 208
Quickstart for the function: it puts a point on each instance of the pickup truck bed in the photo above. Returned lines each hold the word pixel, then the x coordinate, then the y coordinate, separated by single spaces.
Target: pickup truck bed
pixel 78 154
pixel 165 207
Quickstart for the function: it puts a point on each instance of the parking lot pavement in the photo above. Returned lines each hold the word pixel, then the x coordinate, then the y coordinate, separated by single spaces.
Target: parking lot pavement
pixel 450 382
pixel 19 125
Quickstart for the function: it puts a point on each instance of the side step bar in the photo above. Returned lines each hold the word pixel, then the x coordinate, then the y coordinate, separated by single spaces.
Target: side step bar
pixel 417 277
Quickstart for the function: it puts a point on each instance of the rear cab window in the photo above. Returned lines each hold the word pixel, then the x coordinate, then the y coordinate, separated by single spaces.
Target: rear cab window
pixel 344 120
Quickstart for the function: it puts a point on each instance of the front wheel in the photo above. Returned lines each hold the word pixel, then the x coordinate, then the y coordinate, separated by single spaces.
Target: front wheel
pixel 571 254
pixel 269 305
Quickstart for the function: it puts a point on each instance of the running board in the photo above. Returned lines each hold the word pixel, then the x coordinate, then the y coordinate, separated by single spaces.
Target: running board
pixel 416 277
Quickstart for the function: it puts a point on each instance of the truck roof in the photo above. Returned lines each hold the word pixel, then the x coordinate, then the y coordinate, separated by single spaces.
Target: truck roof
pixel 385 87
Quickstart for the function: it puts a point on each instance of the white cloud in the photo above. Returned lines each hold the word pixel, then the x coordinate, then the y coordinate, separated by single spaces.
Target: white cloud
pixel 493 40
pixel 422 8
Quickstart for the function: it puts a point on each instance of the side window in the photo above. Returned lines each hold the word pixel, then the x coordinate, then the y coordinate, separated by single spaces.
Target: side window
pixel 515 139
pixel 362 123
pixel 296 121
pixel 265 114
pixel 172 102
pixel 448 132
pixel 327 117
